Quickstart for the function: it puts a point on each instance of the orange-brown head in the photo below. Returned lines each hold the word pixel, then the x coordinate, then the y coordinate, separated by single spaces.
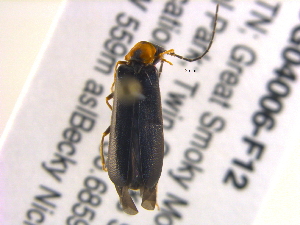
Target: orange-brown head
pixel 145 52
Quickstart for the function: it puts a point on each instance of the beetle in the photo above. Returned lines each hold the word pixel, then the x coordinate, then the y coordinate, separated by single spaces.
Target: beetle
pixel 136 143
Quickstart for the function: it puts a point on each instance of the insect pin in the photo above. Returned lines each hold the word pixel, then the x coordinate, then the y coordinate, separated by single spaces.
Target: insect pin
pixel 136 143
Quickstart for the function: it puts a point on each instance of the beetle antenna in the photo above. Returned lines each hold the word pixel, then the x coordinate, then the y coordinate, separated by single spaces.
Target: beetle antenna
pixel 210 43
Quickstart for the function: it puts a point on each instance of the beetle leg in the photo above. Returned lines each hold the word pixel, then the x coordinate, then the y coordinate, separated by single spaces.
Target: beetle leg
pixel 106 132
pixel 149 197
pixel 126 201
pixel 160 68
pixel 167 52
pixel 110 96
